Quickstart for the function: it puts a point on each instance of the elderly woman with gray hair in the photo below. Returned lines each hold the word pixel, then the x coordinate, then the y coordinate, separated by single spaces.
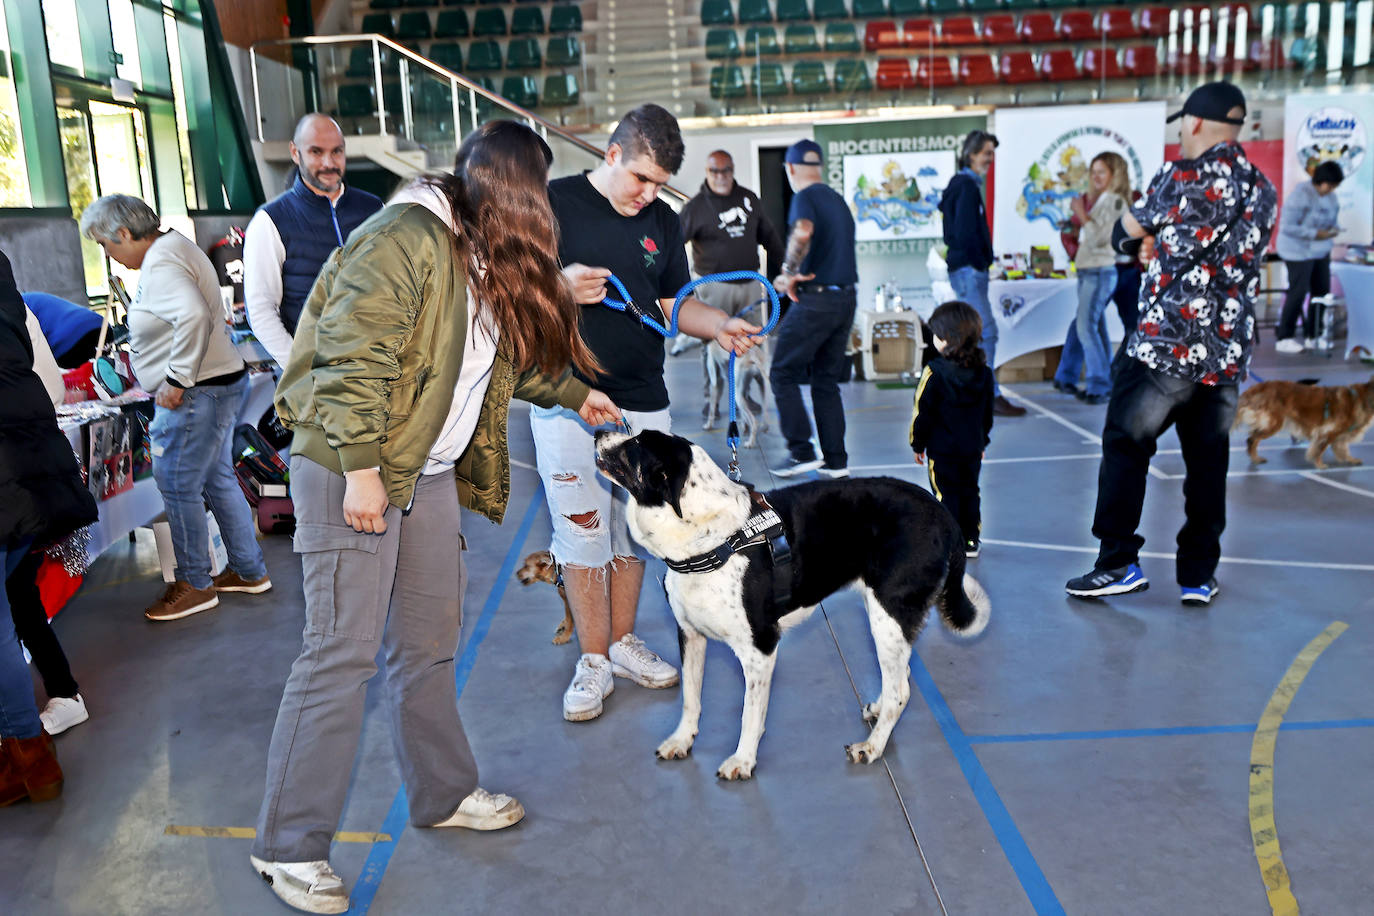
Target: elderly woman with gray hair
pixel 183 353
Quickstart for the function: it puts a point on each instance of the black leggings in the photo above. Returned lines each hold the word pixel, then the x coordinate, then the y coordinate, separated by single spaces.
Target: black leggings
pixel 32 627
pixel 1304 277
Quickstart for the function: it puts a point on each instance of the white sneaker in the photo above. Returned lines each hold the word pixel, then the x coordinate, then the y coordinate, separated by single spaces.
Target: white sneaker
pixel 309 886
pixel 483 811
pixel 591 684
pixel 1311 343
pixel 632 659
pixel 1326 343
pixel 1289 345
pixel 62 713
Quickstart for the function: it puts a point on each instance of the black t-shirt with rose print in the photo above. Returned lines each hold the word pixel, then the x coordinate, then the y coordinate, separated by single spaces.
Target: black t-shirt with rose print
pixel 646 252
pixel 1202 327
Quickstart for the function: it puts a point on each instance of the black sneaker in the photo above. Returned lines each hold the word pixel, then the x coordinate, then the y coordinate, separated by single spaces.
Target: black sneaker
pixel 1066 389
pixel 1102 582
pixel 971 549
pixel 1198 595
pixel 793 466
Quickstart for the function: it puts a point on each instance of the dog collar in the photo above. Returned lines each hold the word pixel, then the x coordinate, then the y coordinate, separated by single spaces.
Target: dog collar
pixel 763 526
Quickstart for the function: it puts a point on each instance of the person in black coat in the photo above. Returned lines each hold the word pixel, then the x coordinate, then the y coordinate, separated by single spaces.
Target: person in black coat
pixel 42 499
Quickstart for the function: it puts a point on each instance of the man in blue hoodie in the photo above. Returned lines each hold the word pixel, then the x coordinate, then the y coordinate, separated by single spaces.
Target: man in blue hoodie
pixel 290 236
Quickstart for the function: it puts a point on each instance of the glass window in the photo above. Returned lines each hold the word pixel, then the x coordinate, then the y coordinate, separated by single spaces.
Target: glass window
pixel 64 39
pixel 79 160
pixel 125 41
pixel 183 120
pixel 14 172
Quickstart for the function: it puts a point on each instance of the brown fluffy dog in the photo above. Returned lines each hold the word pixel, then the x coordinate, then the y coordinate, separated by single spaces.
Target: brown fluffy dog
pixel 1334 416
pixel 539 567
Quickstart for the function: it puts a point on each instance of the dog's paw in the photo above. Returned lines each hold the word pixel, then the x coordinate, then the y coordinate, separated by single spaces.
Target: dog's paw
pixel 1260 459
pixel 563 634
pixel 870 711
pixel 1354 461
pixel 674 748
pixel 862 753
pixel 736 768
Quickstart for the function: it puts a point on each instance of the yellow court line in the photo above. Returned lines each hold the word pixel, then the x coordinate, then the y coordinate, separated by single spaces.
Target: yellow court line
pixel 1263 831
pixel 247 833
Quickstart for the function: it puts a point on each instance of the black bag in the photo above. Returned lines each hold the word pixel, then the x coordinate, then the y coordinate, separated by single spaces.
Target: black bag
pixel 264 479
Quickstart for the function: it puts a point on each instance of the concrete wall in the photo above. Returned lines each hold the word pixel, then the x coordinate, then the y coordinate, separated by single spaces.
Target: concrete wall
pixel 46 254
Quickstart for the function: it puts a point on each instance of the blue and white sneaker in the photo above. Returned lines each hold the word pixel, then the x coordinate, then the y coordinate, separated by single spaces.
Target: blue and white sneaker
pixel 1100 583
pixel 1198 595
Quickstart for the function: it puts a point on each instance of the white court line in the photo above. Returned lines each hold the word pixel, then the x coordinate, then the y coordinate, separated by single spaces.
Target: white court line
pixel 1312 475
pixel 1303 472
pixel 1244 561
pixel 1069 424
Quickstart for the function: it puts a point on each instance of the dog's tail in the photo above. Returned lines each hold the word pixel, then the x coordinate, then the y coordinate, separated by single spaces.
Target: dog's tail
pixel 964 605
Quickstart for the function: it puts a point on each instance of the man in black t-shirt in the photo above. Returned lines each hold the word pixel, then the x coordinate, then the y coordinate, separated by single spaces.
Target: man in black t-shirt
pixel 611 221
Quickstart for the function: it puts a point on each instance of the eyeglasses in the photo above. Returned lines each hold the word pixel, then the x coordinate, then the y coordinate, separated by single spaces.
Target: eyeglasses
pixel 729 170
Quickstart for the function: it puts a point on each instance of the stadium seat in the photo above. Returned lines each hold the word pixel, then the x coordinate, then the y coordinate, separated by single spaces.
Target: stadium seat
pixel 793 11
pixel 527 20
pixel 523 54
pixel 522 90
pixel 934 71
pixel 942 7
pixel 766 79
pixel 1077 25
pixel 1153 21
pixel 484 55
pixel 851 75
pixel 905 7
pixel 1140 60
pixel 881 35
pixel 982 6
pixel 755 11
pixel 722 44
pixel 864 9
pixel 808 78
pixel 895 73
pixel 1037 28
pixel 563 51
pixel 413 27
pixel 377 22
pixel 999 29
pixel 567 17
pixel 976 69
pixel 1059 66
pixel 1117 24
pixel 717 12
pixel 1017 67
pixel 800 39
pixel 447 54
pixel 360 62
pixel 452 24
pixel 956 31
pixel 1098 64
pixel 829 9
pixel 727 81
pixel 384 4
pixel 1054 4
pixel 489 22
pixel 761 40
pixel 560 90
pixel 842 36
pixel 1021 4
pixel 919 33
pixel 357 100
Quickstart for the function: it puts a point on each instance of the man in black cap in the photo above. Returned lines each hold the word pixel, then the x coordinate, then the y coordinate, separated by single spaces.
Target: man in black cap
pixel 1210 214
pixel 818 275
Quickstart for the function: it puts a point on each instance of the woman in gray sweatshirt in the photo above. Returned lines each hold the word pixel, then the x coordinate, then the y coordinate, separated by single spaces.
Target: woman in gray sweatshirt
pixel 1307 230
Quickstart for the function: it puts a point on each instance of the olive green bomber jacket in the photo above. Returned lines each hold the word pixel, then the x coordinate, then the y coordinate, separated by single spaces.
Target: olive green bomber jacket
pixel 376 356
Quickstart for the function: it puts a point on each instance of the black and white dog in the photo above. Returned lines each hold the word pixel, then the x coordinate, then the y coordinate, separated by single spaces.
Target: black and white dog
pixel 749 568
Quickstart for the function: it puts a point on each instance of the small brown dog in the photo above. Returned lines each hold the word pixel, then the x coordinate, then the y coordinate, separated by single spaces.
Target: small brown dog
pixel 540 567
pixel 1334 416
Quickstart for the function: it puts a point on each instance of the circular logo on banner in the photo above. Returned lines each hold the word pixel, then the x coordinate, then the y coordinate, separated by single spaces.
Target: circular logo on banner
pixel 1331 135
pixel 1061 172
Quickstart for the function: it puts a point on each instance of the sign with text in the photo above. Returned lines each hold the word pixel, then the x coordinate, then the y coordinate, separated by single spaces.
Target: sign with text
pixel 1334 128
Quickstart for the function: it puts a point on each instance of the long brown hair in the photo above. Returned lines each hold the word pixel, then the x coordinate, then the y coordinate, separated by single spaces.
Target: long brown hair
pixel 1120 185
pixel 499 195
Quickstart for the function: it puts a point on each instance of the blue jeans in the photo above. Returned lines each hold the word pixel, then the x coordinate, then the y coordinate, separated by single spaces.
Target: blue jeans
pixel 812 336
pixel 1086 340
pixel 192 467
pixel 18 711
pixel 971 286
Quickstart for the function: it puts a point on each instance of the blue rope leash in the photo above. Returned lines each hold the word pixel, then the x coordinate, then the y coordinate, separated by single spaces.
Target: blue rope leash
pixel 627 304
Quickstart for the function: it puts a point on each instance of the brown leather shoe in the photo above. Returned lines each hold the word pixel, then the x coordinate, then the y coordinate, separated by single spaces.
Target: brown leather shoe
pixel 182 599
pixel 29 769
pixel 230 581
pixel 1004 408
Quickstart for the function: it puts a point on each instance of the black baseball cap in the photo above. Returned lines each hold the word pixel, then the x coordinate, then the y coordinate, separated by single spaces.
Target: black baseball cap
pixel 1213 102
pixel 804 152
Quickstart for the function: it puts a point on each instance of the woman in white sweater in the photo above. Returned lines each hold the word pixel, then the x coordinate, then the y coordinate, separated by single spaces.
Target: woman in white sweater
pixel 1086 345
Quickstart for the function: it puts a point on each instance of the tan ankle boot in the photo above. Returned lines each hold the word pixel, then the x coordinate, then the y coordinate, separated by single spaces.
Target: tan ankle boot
pixel 29 769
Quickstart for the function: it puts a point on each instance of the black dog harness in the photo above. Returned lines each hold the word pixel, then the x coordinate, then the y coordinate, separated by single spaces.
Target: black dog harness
pixel 762 528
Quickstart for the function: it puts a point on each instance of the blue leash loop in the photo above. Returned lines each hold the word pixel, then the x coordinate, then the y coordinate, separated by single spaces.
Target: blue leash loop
pixel 627 304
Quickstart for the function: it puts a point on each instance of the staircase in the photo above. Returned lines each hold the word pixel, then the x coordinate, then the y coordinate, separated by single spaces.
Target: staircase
pixel 646 52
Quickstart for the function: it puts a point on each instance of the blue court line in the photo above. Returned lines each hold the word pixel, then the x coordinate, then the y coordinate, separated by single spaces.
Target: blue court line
pixel 398 817
pixel 1018 854
pixel 1248 728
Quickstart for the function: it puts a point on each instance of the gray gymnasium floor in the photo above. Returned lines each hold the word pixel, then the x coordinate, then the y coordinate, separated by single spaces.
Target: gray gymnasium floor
pixel 1080 757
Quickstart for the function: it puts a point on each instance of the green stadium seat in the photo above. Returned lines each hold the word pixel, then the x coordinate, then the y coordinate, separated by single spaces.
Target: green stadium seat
pixel 489 22
pixel 754 11
pixel 385 4
pixel 761 40
pixel 866 8
pixel 851 75
pixel 1054 4
pixel 447 54
pixel 721 44
pixel 412 27
pixel 560 90
pixel 522 90
pixel 808 78
pixel 717 12
pixel 842 37
pixel 800 39
pixel 360 62
pixel 377 22
pixel 357 100
pixel 566 17
pixel 793 11
pixel 909 7
pixel 484 55
pixel 523 54
pixel 563 51
pixel 457 2
pixel 767 79
pixel 829 9
pixel 433 107
pixel 428 4
pixel 727 81
pixel 986 6
pixel 452 24
pixel 527 20
pixel 942 7
pixel 1020 4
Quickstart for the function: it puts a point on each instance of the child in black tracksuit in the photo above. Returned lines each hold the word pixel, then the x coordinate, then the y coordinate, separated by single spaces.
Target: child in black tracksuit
pixel 952 414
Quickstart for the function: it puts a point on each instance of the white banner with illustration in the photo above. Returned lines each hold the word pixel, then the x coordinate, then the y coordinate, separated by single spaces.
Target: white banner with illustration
pixel 1043 161
pixel 1334 128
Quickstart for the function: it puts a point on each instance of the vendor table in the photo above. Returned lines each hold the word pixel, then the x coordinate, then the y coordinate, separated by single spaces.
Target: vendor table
pixel 1035 314
pixel 1357 286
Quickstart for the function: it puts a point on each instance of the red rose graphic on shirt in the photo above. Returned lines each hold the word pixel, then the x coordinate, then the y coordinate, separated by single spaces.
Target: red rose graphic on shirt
pixel 650 250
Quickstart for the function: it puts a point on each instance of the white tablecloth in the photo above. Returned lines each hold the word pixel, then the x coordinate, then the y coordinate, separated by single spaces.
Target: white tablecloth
pixel 1040 314
pixel 1357 286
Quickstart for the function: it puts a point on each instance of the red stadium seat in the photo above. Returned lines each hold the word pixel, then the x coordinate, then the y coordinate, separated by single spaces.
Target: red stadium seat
pixel 998 29
pixel 1117 24
pixel 1059 66
pixel 1153 21
pixel 976 69
pixel 1077 25
pixel 958 30
pixel 1018 67
pixel 1141 60
pixel 934 70
pixel 880 35
pixel 1037 28
pixel 1098 64
pixel 918 33
pixel 894 73
pixel 1266 55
